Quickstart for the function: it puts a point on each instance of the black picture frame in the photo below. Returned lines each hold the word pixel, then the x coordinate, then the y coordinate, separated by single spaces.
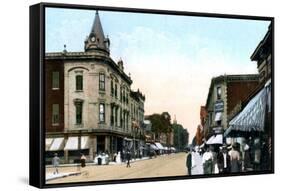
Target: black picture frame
pixel 37 92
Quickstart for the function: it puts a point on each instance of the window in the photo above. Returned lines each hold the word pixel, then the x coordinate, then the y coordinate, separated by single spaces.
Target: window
pixel 121 119
pixel 111 116
pixel 218 92
pixel 120 94
pixel 116 112
pixel 102 81
pixel 55 114
pixel 79 110
pixel 79 82
pixel 116 90
pixel 102 112
pixel 112 88
pixel 55 80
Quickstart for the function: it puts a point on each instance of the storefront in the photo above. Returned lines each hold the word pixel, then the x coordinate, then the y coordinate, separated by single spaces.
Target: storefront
pixel 251 128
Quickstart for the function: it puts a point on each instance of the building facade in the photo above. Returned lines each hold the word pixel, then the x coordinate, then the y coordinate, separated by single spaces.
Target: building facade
pixel 88 100
pixel 226 93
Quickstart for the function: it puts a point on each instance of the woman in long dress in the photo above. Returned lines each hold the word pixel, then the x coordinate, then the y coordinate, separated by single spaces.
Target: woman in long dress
pixel 235 159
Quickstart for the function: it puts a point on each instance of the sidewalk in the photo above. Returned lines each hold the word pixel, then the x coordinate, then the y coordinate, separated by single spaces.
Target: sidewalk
pixel 51 176
pixel 93 163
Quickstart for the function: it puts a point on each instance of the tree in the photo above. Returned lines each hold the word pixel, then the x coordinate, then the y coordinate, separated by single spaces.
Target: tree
pixel 181 136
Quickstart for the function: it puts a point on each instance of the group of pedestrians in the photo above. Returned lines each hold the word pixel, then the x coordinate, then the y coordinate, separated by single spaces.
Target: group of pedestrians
pixel 211 162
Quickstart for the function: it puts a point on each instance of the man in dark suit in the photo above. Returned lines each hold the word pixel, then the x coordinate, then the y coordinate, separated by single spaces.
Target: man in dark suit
pixel 189 161
pixel 224 161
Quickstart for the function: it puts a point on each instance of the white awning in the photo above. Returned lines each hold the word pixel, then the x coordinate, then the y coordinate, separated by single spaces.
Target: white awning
pixel 215 139
pixel 48 143
pixel 152 146
pixel 159 145
pixel 173 148
pixel 72 143
pixel 84 142
pixel 218 139
pixel 251 118
pixel 209 141
pixel 57 144
pixel 218 116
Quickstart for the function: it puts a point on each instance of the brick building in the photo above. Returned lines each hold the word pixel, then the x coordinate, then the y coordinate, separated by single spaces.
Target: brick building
pixel 226 93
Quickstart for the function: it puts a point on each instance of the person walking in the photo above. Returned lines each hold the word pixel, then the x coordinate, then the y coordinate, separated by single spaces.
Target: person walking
pixel 189 161
pixel 56 162
pixel 224 163
pixel 207 161
pixel 235 158
pixel 128 158
pixel 83 161
pixel 247 166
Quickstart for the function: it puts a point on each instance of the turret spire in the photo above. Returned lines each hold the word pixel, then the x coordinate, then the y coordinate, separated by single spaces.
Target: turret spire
pixel 96 39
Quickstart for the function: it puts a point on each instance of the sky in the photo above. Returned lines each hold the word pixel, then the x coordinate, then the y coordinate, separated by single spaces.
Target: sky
pixel 171 59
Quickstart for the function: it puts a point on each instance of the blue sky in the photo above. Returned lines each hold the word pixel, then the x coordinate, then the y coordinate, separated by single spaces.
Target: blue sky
pixel 171 58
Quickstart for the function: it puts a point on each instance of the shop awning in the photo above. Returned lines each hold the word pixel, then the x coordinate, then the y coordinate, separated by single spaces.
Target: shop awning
pixel 84 142
pixel 72 143
pixel 218 116
pixel 48 143
pixel 57 144
pixel 215 139
pixel 152 146
pixel 251 118
pixel 160 146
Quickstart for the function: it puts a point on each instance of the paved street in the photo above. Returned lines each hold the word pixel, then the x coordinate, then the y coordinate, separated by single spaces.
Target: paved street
pixel 168 165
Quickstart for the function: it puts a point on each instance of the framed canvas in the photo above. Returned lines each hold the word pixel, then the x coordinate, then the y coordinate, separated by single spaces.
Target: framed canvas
pixel 122 95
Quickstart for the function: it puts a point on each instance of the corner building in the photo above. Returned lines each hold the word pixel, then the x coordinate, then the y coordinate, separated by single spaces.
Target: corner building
pixel 96 111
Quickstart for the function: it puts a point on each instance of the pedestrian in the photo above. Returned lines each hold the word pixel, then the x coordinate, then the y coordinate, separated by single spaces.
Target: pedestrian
pixel 247 158
pixel 224 163
pixel 128 158
pixel 56 162
pixel 83 161
pixel 114 157
pixel 188 161
pixel 207 161
pixel 235 158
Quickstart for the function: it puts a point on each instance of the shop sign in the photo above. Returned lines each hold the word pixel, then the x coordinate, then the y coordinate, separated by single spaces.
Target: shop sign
pixel 219 106
pixel 217 130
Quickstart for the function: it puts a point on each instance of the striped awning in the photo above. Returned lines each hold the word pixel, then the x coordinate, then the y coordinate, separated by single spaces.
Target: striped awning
pixel 251 118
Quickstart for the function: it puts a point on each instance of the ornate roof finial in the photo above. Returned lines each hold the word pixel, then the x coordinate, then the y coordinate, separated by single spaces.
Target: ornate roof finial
pixel 64 48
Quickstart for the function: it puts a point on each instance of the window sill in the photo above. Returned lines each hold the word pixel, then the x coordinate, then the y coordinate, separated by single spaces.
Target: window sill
pixel 55 88
pixel 77 91
pixel 102 91
pixel 55 124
